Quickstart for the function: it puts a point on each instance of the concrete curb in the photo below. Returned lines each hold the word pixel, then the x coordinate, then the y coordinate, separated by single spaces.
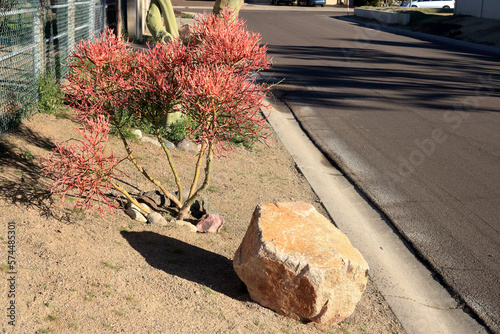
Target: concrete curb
pixel 485 49
pixel 385 17
pixel 420 303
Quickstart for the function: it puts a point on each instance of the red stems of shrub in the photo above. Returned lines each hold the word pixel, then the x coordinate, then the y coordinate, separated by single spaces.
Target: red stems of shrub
pixel 207 77
pixel 222 103
pixel 100 78
pixel 221 41
pixel 85 166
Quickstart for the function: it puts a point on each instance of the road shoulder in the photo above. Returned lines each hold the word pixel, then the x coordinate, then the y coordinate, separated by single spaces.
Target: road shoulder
pixel 421 304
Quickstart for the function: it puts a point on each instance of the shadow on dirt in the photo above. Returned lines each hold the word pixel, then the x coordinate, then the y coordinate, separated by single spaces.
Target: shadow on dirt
pixel 21 180
pixel 178 258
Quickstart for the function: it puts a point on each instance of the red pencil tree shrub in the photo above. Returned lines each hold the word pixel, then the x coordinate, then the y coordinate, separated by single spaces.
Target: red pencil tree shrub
pixel 221 103
pixel 86 166
pixel 206 77
pixel 218 96
pixel 224 41
pixel 101 78
pixel 156 90
pixel 157 93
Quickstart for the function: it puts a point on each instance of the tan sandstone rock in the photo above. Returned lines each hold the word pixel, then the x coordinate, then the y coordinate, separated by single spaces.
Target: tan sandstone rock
pixel 296 262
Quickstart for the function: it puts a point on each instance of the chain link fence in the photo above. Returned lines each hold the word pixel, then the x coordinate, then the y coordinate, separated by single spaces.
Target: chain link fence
pixel 36 37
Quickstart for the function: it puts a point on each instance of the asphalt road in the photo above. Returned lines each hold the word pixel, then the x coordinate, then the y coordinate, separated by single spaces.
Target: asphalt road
pixel 414 124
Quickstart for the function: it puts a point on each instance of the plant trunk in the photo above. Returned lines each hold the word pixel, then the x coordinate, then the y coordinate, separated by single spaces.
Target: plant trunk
pixel 157 10
pixel 197 170
pixel 145 174
pixel 184 211
pixel 131 199
pixel 233 5
pixel 170 162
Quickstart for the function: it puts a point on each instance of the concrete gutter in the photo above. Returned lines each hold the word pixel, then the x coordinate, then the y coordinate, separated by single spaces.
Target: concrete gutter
pixel 421 303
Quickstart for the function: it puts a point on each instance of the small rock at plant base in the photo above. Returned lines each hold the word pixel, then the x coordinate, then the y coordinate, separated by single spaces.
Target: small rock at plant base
pixel 155 197
pixel 135 213
pixel 296 262
pixel 187 225
pixel 187 145
pixel 157 219
pixel 200 207
pixel 210 223
pixel 151 141
pixel 185 193
pixel 137 133
pixel 169 144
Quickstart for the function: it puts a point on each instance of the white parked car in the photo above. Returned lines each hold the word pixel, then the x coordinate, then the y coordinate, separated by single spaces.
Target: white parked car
pixel 433 3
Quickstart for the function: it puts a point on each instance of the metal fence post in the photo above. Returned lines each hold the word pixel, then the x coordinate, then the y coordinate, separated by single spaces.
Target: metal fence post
pixel 37 40
pixel 71 25
pixel 91 19
pixel 104 8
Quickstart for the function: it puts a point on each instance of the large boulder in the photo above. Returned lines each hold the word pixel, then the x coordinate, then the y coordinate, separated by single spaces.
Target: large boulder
pixel 296 262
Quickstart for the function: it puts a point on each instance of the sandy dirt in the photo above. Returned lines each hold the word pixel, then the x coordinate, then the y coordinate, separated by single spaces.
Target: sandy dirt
pixel 478 30
pixel 79 273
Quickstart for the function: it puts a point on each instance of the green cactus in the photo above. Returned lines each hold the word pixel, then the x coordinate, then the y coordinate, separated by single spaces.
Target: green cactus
pixel 233 5
pixel 157 9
